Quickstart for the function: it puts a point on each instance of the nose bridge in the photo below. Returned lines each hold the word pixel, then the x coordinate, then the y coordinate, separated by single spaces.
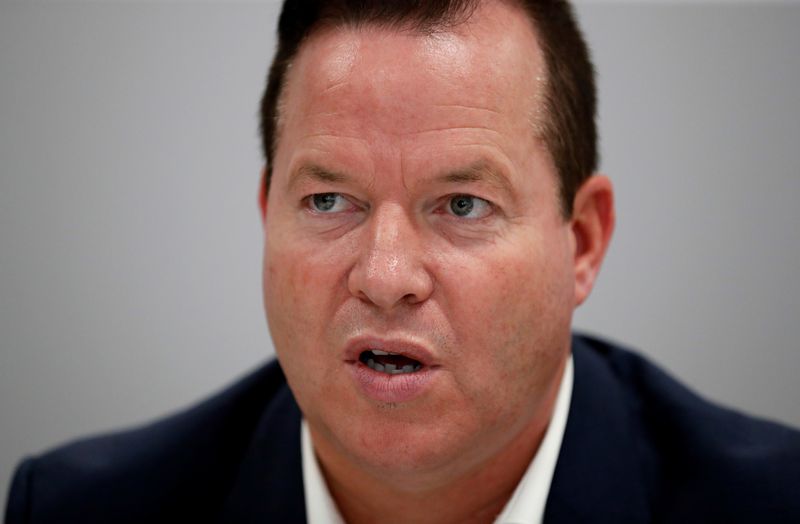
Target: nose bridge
pixel 390 267
pixel 387 232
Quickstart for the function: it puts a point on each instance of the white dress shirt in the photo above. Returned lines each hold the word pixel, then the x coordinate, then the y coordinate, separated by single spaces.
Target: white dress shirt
pixel 526 505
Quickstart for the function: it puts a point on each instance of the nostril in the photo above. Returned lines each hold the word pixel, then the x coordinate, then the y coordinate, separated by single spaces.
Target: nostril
pixel 391 269
pixel 412 299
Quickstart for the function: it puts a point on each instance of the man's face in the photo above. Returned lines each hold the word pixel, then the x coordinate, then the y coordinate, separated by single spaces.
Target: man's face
pixel 412 210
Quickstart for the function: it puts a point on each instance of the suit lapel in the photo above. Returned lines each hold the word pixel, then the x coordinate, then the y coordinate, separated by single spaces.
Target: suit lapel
pixel 269 485
pixel 598 477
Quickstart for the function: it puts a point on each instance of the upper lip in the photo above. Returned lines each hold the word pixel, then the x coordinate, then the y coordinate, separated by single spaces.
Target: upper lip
pixel 400 346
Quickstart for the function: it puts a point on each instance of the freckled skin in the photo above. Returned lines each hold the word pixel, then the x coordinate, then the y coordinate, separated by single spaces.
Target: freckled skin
pixel 492 301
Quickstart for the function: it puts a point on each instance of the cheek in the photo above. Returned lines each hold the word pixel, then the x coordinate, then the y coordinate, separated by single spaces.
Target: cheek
pixel 499 297
pixel 516 314
pixel 290 278
pixel 303 289
pixel 296 270
pixel 296 314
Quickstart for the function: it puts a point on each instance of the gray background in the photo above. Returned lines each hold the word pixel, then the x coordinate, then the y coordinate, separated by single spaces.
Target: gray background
pixel 130 239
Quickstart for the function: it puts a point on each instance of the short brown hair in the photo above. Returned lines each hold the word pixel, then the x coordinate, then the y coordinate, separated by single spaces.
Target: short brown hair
pixel 569 130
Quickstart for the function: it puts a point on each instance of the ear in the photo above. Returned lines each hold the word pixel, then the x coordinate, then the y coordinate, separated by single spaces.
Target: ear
pixel 592 224
pixel 262 195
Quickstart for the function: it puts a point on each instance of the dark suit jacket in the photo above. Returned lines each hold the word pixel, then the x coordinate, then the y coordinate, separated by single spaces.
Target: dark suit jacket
pixel 638 447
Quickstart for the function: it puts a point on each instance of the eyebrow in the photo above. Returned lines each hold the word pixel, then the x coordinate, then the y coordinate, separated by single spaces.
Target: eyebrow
pixel 480 171
pixel 314 173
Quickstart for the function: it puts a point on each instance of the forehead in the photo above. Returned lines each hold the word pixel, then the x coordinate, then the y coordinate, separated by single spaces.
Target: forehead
pixel 491 63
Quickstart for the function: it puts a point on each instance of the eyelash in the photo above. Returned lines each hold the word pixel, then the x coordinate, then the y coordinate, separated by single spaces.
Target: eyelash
pixel 312 205
pixel 488 206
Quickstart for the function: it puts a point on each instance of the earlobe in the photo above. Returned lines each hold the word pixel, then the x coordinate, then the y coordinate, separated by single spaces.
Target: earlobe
pixel 592 225
pixel 262 195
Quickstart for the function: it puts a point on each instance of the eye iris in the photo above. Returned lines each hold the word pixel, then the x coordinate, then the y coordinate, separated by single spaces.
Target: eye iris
pixel 324 201
pixel 462 205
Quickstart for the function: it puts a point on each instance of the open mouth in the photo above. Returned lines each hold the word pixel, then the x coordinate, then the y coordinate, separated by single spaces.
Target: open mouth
pixel 389 363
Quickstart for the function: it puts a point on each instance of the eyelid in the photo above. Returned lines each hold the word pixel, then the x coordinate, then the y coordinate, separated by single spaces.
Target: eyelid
pixel 308 201
pixel 446 201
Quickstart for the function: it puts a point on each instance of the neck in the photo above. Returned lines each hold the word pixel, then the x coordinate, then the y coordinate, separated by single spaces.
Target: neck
pixel 468 502
pixel 475 496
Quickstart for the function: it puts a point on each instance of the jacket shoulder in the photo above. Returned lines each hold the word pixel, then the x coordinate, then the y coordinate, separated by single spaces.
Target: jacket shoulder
pixel 704 462
pixel 177 467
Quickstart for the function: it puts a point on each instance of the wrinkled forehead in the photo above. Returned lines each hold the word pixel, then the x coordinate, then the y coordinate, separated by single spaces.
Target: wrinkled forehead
pixel 492 59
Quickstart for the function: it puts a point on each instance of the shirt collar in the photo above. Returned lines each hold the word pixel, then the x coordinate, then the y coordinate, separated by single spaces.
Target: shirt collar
pixel 320 507
pixel 526 505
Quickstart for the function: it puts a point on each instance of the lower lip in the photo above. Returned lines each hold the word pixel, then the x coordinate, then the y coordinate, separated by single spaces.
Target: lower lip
pixel 383 387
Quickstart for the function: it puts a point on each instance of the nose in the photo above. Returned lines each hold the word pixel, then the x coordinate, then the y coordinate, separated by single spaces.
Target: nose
pixel 390 269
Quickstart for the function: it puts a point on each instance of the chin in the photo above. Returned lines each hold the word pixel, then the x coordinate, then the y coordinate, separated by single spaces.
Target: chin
pixel 403 448
pixel 402 451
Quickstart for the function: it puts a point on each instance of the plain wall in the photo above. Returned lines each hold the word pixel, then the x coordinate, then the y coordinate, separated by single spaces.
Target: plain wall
pixel 130 241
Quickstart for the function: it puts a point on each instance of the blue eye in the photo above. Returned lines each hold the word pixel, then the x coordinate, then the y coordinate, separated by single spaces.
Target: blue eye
pixel 328 202
pixel 467 206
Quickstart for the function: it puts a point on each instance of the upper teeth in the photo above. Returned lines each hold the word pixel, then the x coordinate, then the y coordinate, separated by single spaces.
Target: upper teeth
pixel 379 352
pixel 391 368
